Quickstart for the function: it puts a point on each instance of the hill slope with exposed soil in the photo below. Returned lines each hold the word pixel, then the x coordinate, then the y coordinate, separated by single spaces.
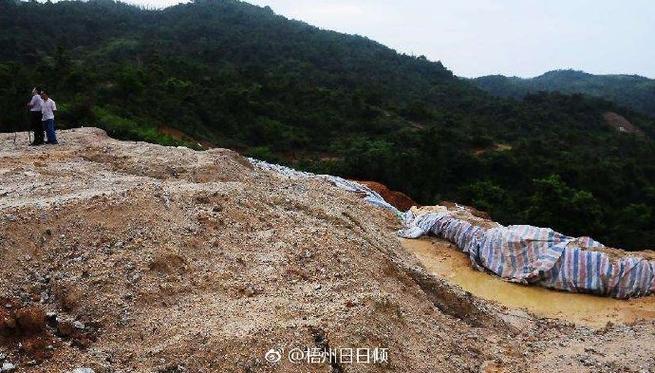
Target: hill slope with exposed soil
pixel 123 256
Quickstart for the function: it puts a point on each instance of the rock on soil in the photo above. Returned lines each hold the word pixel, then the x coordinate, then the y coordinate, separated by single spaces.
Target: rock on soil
pixel 176 260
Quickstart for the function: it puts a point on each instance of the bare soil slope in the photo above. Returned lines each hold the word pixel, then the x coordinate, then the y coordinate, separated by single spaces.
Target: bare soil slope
pixel 127 257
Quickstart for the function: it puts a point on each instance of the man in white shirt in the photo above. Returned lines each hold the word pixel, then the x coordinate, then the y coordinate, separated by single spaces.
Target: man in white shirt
pixel 48 108
pixel 35 116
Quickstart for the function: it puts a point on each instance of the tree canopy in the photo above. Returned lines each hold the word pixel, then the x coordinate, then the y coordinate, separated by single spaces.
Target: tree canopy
pixel 632 91
pixel 227 73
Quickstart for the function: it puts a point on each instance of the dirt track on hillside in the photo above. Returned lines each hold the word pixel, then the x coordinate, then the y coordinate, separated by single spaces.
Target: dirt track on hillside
pixel 175 260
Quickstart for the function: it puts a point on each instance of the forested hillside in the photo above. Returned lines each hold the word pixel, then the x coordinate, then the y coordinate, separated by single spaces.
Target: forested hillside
pixel 234 75
pixel 632 91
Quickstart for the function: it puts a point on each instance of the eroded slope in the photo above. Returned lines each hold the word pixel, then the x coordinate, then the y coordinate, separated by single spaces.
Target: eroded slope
pixel 173 260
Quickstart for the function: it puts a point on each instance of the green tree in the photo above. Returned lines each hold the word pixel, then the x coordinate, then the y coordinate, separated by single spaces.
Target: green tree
pixel 555 204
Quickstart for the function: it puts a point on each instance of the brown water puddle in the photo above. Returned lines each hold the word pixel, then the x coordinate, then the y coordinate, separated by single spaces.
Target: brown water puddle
pixel 444 260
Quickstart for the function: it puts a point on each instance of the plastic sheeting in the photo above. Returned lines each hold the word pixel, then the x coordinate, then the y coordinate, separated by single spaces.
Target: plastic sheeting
pixel 540 256
pixel 352 186
pixel 518 253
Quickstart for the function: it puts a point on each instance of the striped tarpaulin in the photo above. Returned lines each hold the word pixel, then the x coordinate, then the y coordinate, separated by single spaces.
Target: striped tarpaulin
pixel 541 256
pixel 518 253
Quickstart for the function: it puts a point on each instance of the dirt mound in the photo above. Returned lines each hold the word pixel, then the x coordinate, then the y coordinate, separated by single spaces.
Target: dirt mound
pixel 493 148
pixel 621 124
pixel 466 210
pixel 399 200
pixel 152 259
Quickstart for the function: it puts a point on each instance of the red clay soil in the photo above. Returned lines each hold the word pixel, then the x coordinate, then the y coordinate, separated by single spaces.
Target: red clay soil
pixel 399 200
pixel 621 123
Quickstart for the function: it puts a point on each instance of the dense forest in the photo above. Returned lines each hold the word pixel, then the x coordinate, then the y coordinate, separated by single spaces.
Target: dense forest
pixel 632 91
pixel 230 74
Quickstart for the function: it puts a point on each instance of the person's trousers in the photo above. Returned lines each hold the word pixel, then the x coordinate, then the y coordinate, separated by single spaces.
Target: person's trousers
pixel 49 126
pixel 37 127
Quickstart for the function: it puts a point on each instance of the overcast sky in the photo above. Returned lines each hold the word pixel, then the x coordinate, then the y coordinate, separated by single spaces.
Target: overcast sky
pixel 480 37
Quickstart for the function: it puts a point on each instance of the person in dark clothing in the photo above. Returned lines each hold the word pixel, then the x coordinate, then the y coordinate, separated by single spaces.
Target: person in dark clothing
pixel 36 125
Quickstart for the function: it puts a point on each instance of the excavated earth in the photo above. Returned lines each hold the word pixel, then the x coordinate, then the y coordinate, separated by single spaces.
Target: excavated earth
pixel 133 257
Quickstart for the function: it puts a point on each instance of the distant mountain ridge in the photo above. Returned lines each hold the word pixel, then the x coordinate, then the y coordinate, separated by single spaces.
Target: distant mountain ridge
pixel 633 91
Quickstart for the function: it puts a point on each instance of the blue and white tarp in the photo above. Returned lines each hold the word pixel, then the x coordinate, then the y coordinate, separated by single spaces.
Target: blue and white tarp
pixel 369 195
pixel 540 256
pixel 517 253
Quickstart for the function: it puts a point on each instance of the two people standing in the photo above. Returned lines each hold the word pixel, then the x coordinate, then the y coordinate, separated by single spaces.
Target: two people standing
pixel 42 116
